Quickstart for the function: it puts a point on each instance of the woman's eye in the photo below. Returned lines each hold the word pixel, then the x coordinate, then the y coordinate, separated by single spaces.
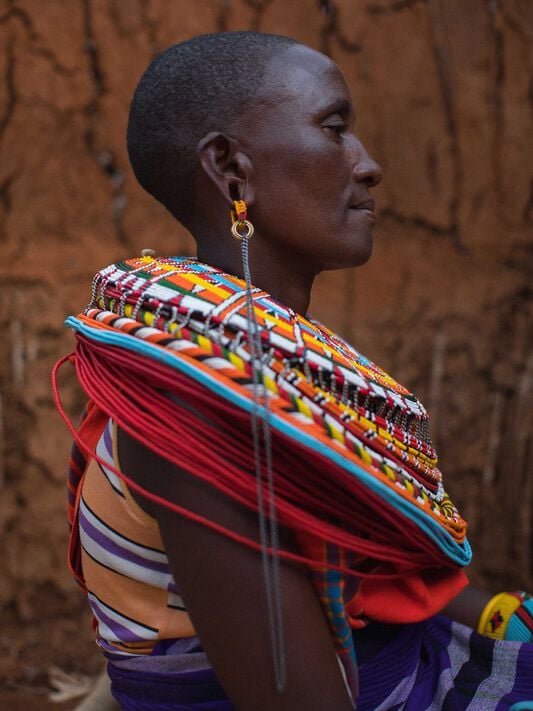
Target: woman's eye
pixel 337 128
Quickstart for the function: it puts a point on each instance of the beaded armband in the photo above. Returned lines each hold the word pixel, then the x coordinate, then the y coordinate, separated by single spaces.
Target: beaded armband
pixel 509 616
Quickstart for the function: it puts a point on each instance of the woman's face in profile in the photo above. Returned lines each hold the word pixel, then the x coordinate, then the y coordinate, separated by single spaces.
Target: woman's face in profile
pixel 311 174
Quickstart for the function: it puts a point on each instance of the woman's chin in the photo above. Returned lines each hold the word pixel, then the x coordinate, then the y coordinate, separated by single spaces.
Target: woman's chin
pixel 355 253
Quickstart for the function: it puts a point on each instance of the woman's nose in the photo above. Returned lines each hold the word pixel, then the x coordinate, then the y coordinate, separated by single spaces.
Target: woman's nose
pixel 366 170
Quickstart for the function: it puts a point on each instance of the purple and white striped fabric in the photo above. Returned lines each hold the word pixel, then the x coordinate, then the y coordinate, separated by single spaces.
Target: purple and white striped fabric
pixel 436 665
pixel 440 665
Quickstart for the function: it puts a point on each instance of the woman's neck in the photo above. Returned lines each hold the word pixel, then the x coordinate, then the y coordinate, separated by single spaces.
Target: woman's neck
pixel 281 277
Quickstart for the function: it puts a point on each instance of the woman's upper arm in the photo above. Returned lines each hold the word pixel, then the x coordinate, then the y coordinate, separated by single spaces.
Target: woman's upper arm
pixel 222 585
pixel 467 607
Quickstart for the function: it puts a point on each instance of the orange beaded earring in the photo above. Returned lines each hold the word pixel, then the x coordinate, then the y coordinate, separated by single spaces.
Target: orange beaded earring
pixel 241 228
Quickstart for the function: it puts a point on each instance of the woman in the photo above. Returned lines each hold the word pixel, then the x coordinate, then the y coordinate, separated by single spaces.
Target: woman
pixel 256 483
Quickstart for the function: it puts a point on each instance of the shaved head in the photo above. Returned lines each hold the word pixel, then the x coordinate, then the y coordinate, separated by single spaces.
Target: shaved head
pixel 192 88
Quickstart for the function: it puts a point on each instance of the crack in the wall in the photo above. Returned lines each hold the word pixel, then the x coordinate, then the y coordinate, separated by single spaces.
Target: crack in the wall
pixel 62 115
pixel 259 7
pixel 520 260
pixel 498 76
pixel 11 94
pixel 150 27
pixel 109 166
pixel 396 6
pixel 446 88
pixel 103 155
pixel 14 12
pixel 5 192
pixel 36 45
pixel 2 444
pixel 513 25
pixel 51 58
pixel 526 37
pixel 146 23
pixel 432 166
pixel 19 417
pixel 331 30
pixel 6 203
pixel 97 77
pixel 222 19
pixel 420 222
pixel 116 19
pixel 528 208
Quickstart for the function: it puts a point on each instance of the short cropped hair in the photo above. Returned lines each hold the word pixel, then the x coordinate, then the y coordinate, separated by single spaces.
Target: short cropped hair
pixel 194 87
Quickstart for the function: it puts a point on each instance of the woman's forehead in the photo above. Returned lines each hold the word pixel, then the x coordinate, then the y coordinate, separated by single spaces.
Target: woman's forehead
pixel 302 75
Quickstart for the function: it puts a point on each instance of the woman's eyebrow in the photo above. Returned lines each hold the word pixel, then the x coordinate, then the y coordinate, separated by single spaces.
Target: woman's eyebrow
pixel 339 106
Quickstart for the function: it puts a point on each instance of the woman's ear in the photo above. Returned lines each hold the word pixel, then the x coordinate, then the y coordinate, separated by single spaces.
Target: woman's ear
pixel 229 169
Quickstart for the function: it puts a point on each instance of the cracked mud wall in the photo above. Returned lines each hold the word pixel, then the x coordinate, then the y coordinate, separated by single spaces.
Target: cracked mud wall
pixel 441 88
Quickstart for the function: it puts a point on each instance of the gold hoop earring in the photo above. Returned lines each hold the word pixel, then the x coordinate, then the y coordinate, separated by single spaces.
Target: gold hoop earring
pixel 241 227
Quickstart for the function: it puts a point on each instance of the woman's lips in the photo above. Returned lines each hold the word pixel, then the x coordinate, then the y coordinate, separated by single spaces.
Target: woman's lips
pixel 366 205
pixel 367 208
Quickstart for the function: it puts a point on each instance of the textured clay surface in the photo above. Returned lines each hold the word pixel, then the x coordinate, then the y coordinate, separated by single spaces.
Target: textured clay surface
pixel 441 89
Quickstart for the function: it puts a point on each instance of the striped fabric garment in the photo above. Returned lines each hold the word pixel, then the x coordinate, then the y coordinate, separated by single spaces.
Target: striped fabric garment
pixel 142 626
pixel 435 665
pixel 440 665
pixel 130 588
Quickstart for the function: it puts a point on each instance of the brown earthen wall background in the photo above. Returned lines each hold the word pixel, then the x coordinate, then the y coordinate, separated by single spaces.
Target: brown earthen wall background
pixel 441 88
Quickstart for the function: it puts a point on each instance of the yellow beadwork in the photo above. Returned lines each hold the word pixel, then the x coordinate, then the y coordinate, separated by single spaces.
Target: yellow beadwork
pixel 205 343
pixel 496 615
pixel 236 361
